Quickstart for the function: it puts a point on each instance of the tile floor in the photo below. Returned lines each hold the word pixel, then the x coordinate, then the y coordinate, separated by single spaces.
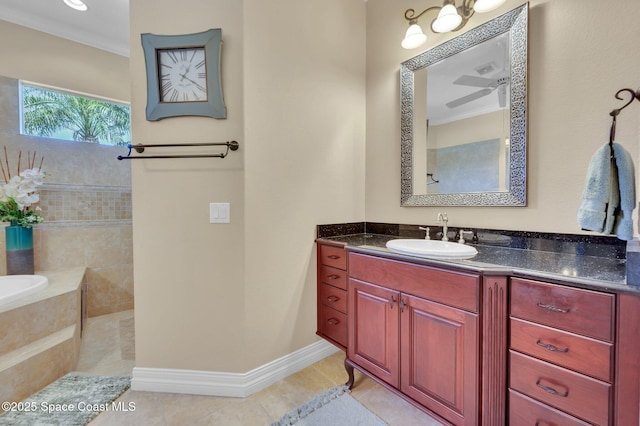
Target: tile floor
pixel 107 349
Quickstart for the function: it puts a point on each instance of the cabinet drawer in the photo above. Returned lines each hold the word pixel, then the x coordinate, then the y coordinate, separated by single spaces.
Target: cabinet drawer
pixel 333 297
pixel 333 324
pixel 524 411
pixel 457 289
pixel 579 395
pixel 333 256
pixel 588 356
pixel 333 276
pixel 579 311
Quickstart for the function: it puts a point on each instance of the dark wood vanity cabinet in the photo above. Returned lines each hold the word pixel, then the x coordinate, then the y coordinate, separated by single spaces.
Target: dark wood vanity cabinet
pixel 417 329
pixel 483 348
pixel 561 357
pixel 332 294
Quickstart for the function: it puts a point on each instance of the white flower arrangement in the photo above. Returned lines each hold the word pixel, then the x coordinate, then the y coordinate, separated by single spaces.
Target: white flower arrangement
pixel 19 192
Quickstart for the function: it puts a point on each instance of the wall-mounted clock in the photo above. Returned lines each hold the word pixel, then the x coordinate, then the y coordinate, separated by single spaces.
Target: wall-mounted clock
pixel 183 75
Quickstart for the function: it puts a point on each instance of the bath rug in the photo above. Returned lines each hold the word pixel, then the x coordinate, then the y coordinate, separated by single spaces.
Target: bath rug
pixel 334 407
pixel 72 400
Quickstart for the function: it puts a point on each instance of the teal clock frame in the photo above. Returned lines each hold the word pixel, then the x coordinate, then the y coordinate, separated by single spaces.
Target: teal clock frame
pixel 211 41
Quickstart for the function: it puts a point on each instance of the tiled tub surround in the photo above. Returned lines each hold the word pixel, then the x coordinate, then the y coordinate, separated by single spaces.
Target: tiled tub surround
pixel 587 261
pixel 87 226
pixel 86 203
pixel 40 335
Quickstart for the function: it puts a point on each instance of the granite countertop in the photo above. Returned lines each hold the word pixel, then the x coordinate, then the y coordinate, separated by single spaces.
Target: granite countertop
pixel 579 270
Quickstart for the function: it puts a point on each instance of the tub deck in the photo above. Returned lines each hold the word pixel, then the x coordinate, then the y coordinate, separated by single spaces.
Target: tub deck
pixel 40 335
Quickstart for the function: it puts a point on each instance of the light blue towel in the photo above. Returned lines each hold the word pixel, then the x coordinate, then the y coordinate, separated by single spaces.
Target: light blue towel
pixel 610 194
pixel 623 226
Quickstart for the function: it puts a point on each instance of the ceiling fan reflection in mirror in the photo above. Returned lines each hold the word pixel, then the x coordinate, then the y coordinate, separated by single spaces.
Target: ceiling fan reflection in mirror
pixel 498 81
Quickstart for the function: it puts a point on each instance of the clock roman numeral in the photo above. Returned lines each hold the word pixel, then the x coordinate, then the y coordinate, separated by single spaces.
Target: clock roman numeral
pixel 165 87
pixel 200 87
pixel 200 64
pixel 172 55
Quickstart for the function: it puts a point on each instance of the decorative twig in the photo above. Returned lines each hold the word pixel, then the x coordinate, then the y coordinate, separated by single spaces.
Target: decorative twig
pixel 6 160
pixel 31 161
pixel 4 176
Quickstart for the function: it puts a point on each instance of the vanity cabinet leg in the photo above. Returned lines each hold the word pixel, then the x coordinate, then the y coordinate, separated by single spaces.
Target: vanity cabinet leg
pixel 349 367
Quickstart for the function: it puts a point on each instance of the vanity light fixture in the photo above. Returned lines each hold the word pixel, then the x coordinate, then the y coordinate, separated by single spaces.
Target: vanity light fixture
pixel 450 18
pixel 76 4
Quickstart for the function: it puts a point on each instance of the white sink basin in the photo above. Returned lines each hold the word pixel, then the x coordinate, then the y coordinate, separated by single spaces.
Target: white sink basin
pixel 432 248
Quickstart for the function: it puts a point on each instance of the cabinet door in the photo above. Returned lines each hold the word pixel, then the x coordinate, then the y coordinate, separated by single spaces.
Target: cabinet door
pixel 374 330
pixel 440 358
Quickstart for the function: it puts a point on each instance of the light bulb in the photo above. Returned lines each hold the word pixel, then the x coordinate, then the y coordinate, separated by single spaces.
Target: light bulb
pixel 447 20
pixel 414 37
pixel 76 4
pixel 482 6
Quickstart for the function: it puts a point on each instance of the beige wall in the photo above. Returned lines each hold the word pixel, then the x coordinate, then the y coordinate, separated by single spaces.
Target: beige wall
pixel 304 131
pixel 231 297
pixel 87 192
pixel 189 273
pixel 580 54
pixel 42 58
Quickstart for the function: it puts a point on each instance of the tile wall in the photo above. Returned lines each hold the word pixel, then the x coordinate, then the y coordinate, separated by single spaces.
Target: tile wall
pixel 88 227
pixel 86 203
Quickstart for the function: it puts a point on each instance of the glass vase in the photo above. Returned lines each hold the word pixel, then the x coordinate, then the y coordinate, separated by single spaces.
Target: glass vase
pixel 19 250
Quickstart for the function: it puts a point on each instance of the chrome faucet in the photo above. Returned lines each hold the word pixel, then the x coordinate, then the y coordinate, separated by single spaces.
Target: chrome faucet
pixel 426 234
pixel 442 217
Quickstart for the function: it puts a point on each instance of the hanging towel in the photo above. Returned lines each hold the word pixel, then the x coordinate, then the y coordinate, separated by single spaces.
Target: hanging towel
pixel 609 196
pixel 623 224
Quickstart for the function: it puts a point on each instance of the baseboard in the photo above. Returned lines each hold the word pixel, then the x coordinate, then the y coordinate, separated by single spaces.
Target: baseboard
pixel 229 384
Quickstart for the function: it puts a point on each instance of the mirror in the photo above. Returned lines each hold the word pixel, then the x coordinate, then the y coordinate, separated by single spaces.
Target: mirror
pixel 463 118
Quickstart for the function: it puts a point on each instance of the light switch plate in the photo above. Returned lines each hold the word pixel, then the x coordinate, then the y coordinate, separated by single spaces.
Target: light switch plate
pixel 219 213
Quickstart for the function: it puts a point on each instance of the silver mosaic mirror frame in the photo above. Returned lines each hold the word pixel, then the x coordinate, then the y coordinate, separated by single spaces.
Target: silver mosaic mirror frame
pixel 515 22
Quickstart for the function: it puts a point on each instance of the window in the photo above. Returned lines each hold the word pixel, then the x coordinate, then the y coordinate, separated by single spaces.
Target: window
pixel 53 113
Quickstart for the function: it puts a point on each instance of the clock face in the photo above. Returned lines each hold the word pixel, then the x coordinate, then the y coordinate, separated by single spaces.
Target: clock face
pixel 182 75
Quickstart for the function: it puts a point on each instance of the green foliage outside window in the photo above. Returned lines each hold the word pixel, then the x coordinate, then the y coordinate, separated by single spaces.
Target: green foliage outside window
pixel 54 114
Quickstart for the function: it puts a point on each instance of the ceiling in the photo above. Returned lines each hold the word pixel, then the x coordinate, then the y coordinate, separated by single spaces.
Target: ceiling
pixel 105 25
pixel 487 59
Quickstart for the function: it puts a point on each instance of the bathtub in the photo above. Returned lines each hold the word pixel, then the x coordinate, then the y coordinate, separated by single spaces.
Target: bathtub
pixel 14 287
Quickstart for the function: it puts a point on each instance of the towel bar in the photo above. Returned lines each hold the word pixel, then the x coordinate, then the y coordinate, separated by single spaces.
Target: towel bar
pixel 231 145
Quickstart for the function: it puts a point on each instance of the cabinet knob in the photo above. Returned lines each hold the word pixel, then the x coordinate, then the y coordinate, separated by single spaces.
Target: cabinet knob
pixel 333 298
pixel 392 301
pixel 333 257
pixel 333 276
pixel 333 321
